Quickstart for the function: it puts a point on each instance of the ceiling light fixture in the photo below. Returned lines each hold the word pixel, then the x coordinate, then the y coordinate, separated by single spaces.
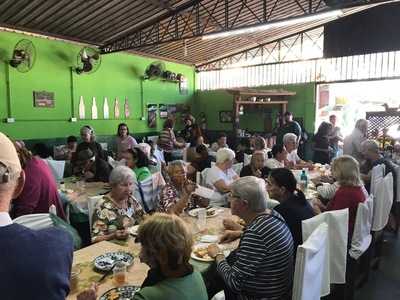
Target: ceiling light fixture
pixel 287 22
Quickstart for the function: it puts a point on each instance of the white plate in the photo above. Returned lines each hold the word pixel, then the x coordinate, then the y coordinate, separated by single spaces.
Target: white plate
pixel 194 256
pixel 195 211
pixel 203 245
pixel 208 238
pixel 106 261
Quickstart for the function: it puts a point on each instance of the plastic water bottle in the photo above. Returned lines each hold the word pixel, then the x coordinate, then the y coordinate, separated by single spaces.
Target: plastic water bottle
pixel 303 180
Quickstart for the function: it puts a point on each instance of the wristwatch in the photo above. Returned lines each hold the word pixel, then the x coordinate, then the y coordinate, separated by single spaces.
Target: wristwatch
pixel 219 253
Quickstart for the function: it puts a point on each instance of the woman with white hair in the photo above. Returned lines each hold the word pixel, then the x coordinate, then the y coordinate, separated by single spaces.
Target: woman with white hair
pixel 352 143
pixel 262 266
pixel 293 159
pixel 117 210
pixel 89 142
pixel 221 175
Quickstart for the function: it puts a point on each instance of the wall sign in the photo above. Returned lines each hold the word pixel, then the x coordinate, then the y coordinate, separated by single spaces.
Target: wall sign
pixel 163 111
pixel 43 99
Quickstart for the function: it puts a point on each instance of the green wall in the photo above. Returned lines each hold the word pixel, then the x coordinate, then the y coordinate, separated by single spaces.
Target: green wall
pixel 118 76
pixel 301 105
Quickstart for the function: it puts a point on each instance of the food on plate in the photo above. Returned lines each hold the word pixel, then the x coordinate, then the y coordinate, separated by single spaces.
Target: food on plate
pixel 202 252
pixel 210 212
pixel 114 295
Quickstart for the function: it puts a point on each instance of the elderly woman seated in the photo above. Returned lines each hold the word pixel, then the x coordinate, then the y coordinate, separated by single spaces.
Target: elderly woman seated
pixel 166 248
pixel 221 175
pixel 256 167
pixel 176 195
pixel 293 160
pixel 138 161
pixel 262 266
pixel 279 156
pixel 117 210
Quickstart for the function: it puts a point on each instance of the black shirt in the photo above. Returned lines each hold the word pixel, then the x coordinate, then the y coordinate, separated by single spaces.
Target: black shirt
pixel 94 146
pixel 294 210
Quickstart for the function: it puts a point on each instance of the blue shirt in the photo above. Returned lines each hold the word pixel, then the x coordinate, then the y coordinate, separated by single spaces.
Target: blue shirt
pixel 34 264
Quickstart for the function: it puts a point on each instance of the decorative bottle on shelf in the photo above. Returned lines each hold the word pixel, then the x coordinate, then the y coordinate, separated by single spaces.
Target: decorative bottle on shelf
pixel 94 109
pixel 303 180
pixel 81 108
pixel 116 108
pixel 106 109
pixel 126 108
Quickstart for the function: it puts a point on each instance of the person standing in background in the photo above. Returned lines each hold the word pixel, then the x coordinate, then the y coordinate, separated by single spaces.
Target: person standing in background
pixel 290 126
pixel 335 136
pixel 352 143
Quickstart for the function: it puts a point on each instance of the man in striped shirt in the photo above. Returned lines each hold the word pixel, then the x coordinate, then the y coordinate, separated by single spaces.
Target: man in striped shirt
pixel 262 266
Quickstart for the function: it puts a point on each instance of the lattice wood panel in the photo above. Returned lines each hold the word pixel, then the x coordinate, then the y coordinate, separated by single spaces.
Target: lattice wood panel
pixel 380 120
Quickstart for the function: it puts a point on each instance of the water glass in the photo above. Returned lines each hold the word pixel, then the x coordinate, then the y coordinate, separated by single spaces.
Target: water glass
pixel 201 218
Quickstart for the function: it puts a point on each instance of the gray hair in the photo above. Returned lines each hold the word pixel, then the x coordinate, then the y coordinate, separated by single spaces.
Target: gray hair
pixel 370 145
pixel 289 137
pixel 224 154
pixel 121 174
pixel 361 123
pixel 251 189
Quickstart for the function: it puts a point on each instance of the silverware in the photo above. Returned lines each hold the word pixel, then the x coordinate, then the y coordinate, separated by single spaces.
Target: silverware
pixel 108 272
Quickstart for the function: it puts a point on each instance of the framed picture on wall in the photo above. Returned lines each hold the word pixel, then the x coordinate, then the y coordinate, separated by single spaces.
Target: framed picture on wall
pixel 43 99
pixel 152 115
pixel 226 116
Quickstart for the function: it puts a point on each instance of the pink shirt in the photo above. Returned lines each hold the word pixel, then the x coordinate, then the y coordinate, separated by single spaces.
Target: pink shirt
pixel 125 144
pixel 39 193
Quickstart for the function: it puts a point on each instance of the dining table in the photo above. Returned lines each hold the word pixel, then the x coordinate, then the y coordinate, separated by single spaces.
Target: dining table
pixel 83 259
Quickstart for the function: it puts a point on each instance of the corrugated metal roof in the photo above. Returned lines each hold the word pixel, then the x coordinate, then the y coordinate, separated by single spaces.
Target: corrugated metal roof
pixel 98 21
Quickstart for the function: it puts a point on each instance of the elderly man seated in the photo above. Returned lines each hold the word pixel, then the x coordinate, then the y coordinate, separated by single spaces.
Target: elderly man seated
pixel 37 260
pixel 118 210
pixel 221 175
pixel 370 151
pixel 256 167
pixel 293 160
pixel 262 266
pixel 177 195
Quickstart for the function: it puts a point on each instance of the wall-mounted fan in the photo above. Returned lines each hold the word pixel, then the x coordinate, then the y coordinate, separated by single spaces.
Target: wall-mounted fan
pixel 24 56
pixel 88 60
pixel 154 70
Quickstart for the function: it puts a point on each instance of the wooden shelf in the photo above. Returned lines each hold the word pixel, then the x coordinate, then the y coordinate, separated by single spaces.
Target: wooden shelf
pixel 261 103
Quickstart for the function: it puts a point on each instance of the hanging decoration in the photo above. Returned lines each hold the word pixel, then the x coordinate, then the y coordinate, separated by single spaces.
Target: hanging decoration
pixel 116 108
pixel 81 108
pixel 126 108
pixel 94 109
pixel 106 109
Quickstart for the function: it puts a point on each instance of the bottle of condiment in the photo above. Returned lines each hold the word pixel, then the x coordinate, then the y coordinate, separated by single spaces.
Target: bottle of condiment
pixel 303 180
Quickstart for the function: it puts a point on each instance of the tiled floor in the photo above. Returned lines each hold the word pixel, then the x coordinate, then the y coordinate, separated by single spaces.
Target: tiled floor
pixel 384 284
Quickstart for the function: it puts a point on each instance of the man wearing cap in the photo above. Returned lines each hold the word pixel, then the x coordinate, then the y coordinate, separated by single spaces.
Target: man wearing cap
pixel 35 264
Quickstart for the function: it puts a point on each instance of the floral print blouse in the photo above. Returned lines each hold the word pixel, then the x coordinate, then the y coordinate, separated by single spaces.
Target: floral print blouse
pixel 108 218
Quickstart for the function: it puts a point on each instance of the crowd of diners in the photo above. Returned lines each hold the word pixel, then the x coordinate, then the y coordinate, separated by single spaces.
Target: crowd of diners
pixel 262 266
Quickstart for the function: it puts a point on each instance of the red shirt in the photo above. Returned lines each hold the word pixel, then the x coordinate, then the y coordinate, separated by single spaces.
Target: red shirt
pixel 348 197
pixel 40 191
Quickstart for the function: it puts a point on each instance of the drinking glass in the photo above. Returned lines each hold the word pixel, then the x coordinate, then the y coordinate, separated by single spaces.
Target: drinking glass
pixel 201 218
pixel 119 273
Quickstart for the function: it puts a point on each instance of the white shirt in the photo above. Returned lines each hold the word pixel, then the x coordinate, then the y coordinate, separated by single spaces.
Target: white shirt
pixel 273 163
pixel 215 174
pixel 352 144
pixel 5 219
pixel 293 157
